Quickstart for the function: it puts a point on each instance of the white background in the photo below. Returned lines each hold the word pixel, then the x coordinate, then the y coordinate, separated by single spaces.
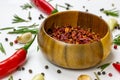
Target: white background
pixel 35 60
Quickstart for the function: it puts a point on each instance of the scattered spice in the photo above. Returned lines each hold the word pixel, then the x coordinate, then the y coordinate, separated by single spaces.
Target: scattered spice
pixel 19 79
pixel 30 71
pixel 6 39
pixel 115 46
pixel 11 43
pixel 103 72
pixel 2 48
pixel 104 66
pixel 41 17
pixel 110 74
pixel 73 35
pixel 99 73
pixel 58 71
pixel 23 68
pixel 46 66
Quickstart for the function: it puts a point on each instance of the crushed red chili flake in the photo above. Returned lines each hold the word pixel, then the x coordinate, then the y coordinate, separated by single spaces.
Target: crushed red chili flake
pixel 73 35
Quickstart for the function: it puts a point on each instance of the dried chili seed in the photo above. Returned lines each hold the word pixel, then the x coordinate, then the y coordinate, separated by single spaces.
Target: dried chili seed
pixel 30 71
pixel 58 71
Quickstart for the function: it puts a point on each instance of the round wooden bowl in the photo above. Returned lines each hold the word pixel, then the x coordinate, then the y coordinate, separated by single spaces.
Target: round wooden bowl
pixel 75 56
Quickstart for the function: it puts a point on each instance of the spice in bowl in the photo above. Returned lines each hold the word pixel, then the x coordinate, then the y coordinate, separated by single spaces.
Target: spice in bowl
pixel 74 35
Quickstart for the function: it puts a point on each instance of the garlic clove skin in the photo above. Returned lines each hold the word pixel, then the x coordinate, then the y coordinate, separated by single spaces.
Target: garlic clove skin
pixel 38 77
pixel 84 77
pixel 24 38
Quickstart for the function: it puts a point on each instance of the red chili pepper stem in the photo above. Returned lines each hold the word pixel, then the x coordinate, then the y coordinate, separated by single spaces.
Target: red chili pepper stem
pixel 26 46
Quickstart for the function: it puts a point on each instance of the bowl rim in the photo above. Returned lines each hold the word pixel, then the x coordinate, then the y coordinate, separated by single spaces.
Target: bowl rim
pixel 62 42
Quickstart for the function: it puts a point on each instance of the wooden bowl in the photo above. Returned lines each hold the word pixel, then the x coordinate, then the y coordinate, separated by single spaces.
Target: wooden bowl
pixel 75 56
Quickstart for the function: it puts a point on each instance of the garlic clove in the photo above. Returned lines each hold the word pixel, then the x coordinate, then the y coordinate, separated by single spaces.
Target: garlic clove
pixel 84 77
pixel 38 77
pixel 24 38
pixel 112 23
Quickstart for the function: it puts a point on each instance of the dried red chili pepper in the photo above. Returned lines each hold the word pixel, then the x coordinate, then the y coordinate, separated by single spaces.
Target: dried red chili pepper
pixel 13 62
pixel 116 66
pixel 44 6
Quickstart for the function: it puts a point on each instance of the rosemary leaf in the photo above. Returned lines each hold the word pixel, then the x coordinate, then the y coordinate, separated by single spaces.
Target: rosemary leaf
pixel 117 40
pixel 2 48
pixel 6 28
pixel 24 30
pixel 26 6
pixel 102 67
pixel 112 12
pixel 18 19
pixel 30 26
pixel 96 76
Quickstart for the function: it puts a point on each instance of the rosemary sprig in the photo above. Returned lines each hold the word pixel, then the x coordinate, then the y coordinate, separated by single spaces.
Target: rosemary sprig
pixel 30 26
pixel 112 12
pixel 6 28
pixel 18 19
pixel 26 6
pixel 96 76
pixel 24 30
pixel 2 48
pixel 102 67
pixel 117 40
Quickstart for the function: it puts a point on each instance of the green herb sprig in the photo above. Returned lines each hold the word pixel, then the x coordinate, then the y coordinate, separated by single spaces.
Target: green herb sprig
pixel 112 12
pixel 102 67
pixel 26 6
pixel 2 48
pixel 6 28
pixel 18 19
pixel 117 40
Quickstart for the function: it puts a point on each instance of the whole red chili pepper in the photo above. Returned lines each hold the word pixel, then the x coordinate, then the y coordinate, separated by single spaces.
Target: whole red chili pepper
pixel 116 66
pixel 44 6
pixel 13 62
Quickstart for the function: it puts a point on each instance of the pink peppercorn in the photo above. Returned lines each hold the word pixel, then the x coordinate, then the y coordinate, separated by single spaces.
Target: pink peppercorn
pixel 115 46
pixel 110 75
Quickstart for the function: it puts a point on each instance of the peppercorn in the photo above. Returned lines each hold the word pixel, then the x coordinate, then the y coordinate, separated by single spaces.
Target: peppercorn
pixel 103 73
pixel 6 39
pixel 46 67
pixel 110 75
pixel 11 43
pixel 43 74
pixel 30 71
pixel 115 46
pixel 99 73
pixel 58 71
